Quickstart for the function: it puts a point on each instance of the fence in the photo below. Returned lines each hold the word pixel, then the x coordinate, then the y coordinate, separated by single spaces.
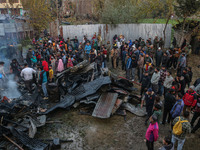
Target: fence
pixel 130 31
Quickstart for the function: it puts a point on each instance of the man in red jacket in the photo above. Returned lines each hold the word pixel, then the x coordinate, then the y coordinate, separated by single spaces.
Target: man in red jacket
pixel 190 99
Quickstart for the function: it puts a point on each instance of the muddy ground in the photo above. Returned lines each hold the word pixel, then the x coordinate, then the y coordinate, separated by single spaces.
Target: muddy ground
pixel 115 133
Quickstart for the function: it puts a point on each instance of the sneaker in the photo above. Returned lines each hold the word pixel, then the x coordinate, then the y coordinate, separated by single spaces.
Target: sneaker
pixel 45 98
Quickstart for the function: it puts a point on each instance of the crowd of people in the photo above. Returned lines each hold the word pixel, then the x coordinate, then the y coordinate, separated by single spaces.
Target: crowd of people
pixel 145 62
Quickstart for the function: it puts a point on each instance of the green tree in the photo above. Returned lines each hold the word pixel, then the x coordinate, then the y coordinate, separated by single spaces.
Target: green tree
pixel 39 13
pixel 185 9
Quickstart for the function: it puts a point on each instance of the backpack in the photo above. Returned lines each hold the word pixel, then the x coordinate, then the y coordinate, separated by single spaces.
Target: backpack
pixel 177 128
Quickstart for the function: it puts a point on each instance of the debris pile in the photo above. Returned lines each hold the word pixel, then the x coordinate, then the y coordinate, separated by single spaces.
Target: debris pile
pixel 99 94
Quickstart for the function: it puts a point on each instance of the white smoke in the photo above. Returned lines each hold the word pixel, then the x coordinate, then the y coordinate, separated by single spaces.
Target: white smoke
pixel 11 89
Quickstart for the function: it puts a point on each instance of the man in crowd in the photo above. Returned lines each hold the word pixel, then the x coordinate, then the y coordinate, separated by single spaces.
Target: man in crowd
pixel 186 128
pixel 149 99
pixel 190 99
pixel 169 102
pixel 152 133
pixel 155 79
pixel 27 75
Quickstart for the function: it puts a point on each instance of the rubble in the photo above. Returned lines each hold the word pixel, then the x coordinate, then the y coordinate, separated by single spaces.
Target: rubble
pixel 102 94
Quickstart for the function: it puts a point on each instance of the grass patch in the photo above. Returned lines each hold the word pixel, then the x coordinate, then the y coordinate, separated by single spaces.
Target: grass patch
pixel 158 21
pixel 163 21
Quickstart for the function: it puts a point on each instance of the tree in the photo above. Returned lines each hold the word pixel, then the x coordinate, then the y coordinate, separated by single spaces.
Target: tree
pixel 39 13
pixel 185 9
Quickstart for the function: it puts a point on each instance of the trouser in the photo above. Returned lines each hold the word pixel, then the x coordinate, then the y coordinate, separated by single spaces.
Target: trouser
pixel 149 110
pixel 150 145
pixel 142 90
pixel 28 62
pixel 87 56
pixel 128 74
pixel 196 127
pixel 44 89
pixel 140 72
pixel 117 61
pixel 28 85
pixel 158 62
pixel 133 73
pixel 123 65
pixel 180 142
pixel 155 88
pixel 108 57
pixel 195 116
pixel 161 88
pixel 112 62
pixel 175 62
pixel 165 90
pixel 165 113
pixel 170 62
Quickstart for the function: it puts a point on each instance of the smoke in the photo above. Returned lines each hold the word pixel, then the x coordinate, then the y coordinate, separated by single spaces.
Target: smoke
pixel 11 88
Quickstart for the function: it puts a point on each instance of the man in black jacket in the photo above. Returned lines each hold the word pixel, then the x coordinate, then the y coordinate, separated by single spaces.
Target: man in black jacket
pixel 169 102
pixel 29 55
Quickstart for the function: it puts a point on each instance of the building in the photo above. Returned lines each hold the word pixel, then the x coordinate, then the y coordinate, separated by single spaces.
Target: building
pixel 14 7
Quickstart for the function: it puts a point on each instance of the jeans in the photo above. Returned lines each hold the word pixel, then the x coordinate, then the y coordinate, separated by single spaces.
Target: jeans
pixel 180 142
pixel 161 89
pixel 133 73
pixel 44 88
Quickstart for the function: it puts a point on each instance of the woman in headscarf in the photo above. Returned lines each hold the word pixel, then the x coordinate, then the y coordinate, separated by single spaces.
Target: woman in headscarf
pixel 60 67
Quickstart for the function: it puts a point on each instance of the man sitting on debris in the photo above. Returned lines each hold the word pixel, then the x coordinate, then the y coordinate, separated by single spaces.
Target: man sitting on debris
pixel 27 75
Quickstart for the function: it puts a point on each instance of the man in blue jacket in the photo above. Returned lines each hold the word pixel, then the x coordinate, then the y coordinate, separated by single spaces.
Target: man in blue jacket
pixel 87 50
pixel 178 107
pixel 128 68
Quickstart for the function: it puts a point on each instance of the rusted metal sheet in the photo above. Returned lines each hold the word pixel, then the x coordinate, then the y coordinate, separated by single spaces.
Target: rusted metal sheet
pixel 105 105
pixel 117 105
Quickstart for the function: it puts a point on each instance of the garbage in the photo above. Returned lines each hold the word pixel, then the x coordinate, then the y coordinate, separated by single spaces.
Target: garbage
pixel 98 94
pixel 133 109
pixel 105 105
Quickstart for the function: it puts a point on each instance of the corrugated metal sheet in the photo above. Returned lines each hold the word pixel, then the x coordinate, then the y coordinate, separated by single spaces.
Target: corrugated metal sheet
pixel 130 31
pixel 13 28
pixel 2 32
pixel 105 104
pixel 10 28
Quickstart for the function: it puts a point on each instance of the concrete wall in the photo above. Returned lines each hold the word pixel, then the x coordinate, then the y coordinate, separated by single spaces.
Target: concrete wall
pixel 130 31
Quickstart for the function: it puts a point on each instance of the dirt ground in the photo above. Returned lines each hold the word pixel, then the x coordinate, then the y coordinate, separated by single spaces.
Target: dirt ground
pixel 115 133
